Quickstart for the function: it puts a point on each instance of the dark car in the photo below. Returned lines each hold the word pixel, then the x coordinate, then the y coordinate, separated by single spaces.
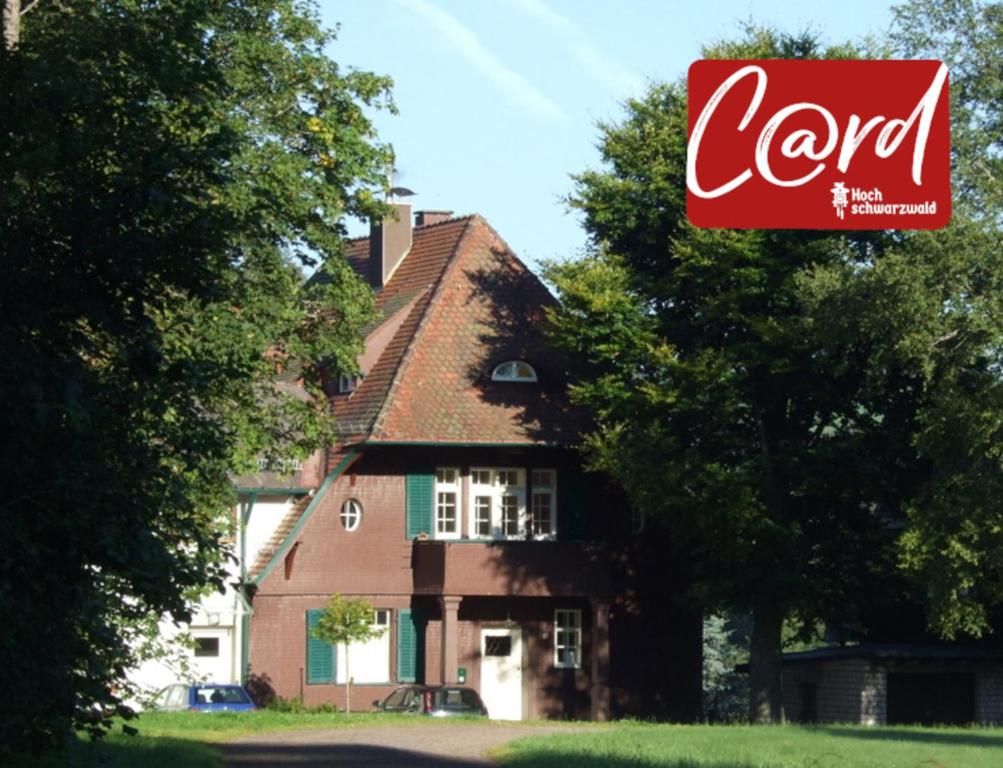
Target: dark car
pixel 437 701
pixel 203 697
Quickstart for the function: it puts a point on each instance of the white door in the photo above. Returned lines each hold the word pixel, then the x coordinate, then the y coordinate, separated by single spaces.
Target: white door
pixel 501 673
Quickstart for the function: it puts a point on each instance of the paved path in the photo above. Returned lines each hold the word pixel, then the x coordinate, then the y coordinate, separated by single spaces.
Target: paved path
pixel 426 745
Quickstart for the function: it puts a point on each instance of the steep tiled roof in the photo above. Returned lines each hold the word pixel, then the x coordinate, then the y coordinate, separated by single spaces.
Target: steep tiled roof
pixel 416 278
pixel 478 306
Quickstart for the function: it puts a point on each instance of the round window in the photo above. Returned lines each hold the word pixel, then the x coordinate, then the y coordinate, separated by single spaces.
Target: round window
pixel 351 515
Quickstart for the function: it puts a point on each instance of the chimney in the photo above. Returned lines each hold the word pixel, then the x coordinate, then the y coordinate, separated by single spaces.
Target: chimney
pixel 424 218
pixel 389 243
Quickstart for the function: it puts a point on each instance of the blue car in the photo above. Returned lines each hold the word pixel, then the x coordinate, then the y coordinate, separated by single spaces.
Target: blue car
pixel 203 697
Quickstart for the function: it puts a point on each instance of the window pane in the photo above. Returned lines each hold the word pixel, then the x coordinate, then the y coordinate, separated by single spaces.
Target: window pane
pixel 482 515
pixel 206 646
pixel 446 476
pixel 542 514
pixel 396 699
pixel 446 512
pixel 508 477
pixel 480 476
pixel 510 515
pixel 497 645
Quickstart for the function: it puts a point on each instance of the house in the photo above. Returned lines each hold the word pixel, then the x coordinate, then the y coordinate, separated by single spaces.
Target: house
pixel 453 502
pixel 886 684
pixel 215 646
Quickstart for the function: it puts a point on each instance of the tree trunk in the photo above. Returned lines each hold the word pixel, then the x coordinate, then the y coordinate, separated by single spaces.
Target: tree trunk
pixel 765 663
pixel 348 682
pixel 11 23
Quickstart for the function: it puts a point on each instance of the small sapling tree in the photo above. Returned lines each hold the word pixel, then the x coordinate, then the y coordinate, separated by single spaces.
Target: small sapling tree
pixel 347 621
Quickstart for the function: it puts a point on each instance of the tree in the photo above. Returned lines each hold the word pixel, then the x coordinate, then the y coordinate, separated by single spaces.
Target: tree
pixel 168 167
pixel 967 35
pixel 775 395
pixel 343 622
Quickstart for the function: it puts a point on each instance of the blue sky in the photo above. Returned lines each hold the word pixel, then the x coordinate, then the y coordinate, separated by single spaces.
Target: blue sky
pixel 499 99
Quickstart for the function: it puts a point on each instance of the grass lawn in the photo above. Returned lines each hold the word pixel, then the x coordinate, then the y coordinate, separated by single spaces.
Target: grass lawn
pixel 665 746
pixel 185 739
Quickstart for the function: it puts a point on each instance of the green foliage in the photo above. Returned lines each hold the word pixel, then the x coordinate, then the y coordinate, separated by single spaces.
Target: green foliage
pixel 953 545
pixel 167 166
pixel 343 622
pixel 967 35
pixel 296 705
pixel 725 691
pixel 346 621
pixel 807 409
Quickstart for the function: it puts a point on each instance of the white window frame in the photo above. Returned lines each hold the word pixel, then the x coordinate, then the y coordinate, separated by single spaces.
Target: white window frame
pixel 568 637
pixel 351 508
pixel 509 371
pixel 444 487
pixel 550 491
pixel 496 491
pixel 347 383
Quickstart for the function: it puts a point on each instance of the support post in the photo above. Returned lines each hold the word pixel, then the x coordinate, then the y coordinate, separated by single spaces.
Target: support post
pixel 450 638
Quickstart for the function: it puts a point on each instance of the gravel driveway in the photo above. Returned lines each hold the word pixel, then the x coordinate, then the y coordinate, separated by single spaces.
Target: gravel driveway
pixel 425 745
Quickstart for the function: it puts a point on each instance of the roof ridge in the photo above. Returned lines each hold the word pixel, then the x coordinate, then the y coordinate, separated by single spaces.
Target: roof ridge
pixel 450 220
pixel 515 256
pixel 422 324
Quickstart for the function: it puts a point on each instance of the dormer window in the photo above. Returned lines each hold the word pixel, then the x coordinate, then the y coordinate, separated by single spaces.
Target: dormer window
pixel 346 384
pixel 514 370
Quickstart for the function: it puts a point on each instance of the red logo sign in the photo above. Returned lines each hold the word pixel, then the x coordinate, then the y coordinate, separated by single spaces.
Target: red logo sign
pixel 785 144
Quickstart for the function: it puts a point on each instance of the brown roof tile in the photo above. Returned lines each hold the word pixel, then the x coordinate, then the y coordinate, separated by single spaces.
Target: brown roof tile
pixel 418 274
pixel 479 306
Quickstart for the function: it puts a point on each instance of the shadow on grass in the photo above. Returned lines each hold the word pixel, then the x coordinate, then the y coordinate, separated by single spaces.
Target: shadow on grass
pixel 264 755
pixel 122 752
pixel 972 738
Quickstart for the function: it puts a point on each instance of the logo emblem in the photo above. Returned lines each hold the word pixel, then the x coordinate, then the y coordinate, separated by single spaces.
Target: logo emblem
pixel 770 140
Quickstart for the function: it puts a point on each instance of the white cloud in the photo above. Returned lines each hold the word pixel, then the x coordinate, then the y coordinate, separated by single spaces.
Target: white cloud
pixel 468 45
pixel 599 66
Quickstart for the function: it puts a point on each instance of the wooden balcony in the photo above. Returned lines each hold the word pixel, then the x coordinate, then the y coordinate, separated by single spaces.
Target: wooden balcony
pixel 501 568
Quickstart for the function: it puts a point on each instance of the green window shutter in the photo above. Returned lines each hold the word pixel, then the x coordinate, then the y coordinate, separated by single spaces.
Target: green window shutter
pixel 420 489
pixel 410 646
pixel 571 507
pixel 320 656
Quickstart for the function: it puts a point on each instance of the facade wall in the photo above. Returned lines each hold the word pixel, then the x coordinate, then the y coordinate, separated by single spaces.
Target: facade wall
pixel 278 651
pixel 856 691
pixel 847 691
pixel 374 559
pixel 989 694
pixel 375 562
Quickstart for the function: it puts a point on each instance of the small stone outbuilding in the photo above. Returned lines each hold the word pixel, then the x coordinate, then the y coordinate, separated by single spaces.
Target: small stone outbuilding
pixel 874 684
